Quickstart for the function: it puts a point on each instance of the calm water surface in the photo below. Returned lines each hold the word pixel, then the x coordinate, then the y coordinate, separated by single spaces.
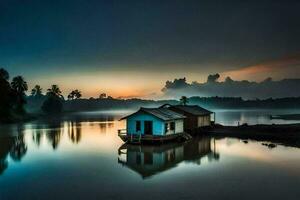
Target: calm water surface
pixel 80 157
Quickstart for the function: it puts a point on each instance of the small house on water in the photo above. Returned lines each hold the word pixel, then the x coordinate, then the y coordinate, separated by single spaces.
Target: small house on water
pixel 153 124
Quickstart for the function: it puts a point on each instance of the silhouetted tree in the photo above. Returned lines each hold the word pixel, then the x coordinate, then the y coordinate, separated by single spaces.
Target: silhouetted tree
pixel 54 91
pixel 19 87
pixel 4 74
pixel 75 94
pixel 36 91
pixel 5 95
pixel 184 100
pixel 53 104
pixel 71 95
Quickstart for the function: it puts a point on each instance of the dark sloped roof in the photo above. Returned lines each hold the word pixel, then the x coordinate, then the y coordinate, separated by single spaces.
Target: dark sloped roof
pixel 194 110
pixel 161 113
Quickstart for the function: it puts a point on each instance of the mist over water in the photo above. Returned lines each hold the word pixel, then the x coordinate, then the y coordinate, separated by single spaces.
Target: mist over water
pixel 234 117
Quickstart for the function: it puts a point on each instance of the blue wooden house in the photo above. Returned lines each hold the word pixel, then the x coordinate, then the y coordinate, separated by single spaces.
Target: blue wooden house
pixel 153 124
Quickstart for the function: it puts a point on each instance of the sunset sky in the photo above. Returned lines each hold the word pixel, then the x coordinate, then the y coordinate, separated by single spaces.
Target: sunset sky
pixel 130 48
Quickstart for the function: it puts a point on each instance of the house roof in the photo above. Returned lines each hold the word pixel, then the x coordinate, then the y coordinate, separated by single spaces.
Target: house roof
pixel 162 113
pixel 193 109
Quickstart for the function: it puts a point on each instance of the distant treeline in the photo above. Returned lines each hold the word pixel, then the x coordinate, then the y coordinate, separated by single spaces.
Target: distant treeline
pixel 34 104
pixel 207 102
pixel 239 103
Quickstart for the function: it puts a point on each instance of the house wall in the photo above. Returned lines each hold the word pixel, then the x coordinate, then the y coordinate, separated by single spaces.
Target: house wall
pixel 190 122
pixel 204 120
pixel 178 127
pixel 158 125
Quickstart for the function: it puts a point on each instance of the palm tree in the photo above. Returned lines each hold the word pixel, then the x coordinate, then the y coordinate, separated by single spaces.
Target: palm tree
pixel 5 96
pixel 4 74
pixel 54 102
pixel 19 85
pixel 71 96
pixel 36 91
pixel 75 94
pixel 54 91
pixel 184 100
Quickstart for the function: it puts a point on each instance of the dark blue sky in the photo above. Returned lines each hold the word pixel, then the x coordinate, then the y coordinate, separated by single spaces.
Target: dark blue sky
pixel 53 39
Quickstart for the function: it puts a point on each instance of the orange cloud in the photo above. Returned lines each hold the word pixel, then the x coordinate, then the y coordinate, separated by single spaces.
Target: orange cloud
pixel 287 67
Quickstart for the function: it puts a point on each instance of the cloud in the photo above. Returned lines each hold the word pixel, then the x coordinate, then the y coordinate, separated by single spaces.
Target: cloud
pixel 213 78
pixel 284 67
pixel 232 88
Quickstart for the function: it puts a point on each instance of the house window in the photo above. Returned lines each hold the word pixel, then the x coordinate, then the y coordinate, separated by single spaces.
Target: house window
pixel 138 126
pixel 172 126
pixel 166 127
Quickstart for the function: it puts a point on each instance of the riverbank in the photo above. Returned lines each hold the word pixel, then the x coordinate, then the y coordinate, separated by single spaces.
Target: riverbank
pixel 285 134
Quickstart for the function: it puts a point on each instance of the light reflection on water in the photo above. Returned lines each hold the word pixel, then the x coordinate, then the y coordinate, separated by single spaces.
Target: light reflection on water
pixel 233 117
pixel 79 156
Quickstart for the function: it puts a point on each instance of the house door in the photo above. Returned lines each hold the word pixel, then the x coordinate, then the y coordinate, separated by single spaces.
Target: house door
pixel 148 127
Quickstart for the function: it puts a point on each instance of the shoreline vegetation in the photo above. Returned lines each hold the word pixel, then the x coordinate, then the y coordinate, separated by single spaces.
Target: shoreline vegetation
pixel 283 134
pixel 72 105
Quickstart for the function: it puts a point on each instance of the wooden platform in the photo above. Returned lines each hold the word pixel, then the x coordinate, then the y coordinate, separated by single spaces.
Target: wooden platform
pixel 138 139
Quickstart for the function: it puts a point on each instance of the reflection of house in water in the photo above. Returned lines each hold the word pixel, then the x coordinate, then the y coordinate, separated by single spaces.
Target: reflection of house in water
pixel 148 160
pixel 197 149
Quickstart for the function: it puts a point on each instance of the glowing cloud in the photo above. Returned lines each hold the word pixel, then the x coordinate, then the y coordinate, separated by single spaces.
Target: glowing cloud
pixel 285 67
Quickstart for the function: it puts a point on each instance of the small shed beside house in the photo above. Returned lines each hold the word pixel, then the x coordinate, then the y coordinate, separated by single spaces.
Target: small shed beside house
pixel 196 116
pixel 153 124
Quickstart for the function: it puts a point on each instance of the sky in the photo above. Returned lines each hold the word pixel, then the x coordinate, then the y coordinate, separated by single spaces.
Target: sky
pixel 131 48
